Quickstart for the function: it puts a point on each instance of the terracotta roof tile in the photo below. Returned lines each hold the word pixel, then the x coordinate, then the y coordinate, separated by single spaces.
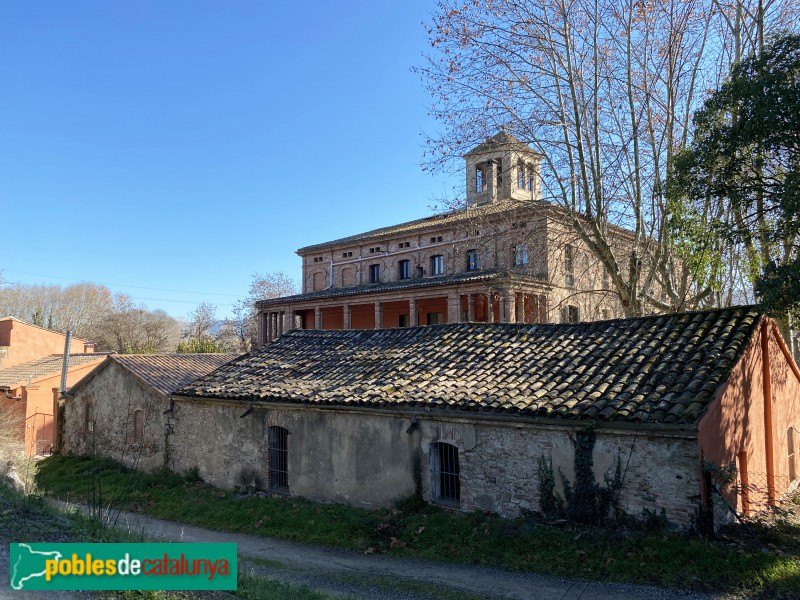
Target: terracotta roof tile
pixel 623 370
pixel 450 218
pixel 41 368
pixel 167 372
pixel 467 277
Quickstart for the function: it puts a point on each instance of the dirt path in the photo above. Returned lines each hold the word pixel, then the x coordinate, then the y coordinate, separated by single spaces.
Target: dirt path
pixel 371 576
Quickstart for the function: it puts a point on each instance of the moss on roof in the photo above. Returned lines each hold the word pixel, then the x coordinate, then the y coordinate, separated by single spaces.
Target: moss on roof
pixel 657 369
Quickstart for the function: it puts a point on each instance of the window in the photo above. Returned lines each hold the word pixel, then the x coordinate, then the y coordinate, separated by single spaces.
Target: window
pixel 529 176
pixel 138 426
pixel 437 264
pixel 88 418
pixel 480 176
pixel 318 259
pixel 434 318
pixel 569 265
pixel 317 281
pixel 520 255
pixel 790 445
pixel 374 273
pixel 278 459
pixel 404 269
pixel 403 321
pixel 436 239
pixel 347 254
pixel 473 260
pixel 571 314
pixel 499 172
pixel 446 484
pixel 521 175
pixel 404 245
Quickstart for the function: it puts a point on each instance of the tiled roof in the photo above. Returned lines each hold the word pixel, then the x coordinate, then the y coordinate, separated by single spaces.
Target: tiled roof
pixel 43 367
pixel 498 141
pixel 433 222
pixel 658 369
pixel 467 277
pixel 165 373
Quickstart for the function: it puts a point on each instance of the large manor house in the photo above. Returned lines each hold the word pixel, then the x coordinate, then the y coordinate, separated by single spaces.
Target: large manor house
pixel 506 257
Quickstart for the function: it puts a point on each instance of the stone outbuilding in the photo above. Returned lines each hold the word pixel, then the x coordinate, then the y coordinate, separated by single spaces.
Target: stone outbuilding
pixel 121 410
pixel 464 412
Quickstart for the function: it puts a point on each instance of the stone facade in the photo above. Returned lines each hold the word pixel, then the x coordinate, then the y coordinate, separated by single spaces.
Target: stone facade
pixel 372 458
pixel 121 410
pixel 103 419
pixel 506 257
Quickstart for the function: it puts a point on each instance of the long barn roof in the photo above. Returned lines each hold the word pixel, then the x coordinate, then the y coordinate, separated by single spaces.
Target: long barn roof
pixel 657 369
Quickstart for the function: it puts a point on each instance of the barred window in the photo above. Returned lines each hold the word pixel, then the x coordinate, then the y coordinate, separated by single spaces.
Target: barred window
pixel 446 484
pixel 278 459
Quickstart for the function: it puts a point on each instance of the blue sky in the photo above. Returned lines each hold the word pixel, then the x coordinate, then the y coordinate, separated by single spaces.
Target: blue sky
pixel 185 145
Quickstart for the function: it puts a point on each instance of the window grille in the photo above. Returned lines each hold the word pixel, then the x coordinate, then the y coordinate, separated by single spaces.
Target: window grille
pixel 446 474
pixel 278 459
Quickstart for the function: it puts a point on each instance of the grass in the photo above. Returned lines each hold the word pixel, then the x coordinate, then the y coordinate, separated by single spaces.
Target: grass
pixel 415 529
pixel 428 590
pixel 31 519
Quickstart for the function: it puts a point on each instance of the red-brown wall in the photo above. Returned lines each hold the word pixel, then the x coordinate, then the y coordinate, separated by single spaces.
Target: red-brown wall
pixel 38 405
pixel 732 431
pixel 27 342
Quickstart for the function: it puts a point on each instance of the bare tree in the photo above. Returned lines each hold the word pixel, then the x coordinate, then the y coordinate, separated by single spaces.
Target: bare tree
pixel 604 90
pixel 132 329
pixel 243 325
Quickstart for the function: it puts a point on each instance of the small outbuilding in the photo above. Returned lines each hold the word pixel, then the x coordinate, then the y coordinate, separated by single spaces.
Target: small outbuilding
pixel 121 410
pixel 465 412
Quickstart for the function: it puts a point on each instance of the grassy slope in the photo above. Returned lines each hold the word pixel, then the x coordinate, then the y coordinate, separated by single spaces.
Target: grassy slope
pixel 416 529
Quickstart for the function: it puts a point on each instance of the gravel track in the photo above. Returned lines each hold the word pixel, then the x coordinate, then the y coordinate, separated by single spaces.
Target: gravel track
pixel 344 573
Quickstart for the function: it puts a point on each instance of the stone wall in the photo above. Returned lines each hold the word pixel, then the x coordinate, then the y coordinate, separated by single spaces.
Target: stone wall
pixel 115 395
pixel 368 459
